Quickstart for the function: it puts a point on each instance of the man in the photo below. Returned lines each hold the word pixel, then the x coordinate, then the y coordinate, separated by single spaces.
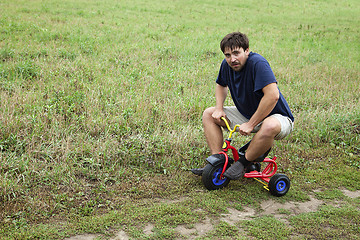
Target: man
pixel 260 107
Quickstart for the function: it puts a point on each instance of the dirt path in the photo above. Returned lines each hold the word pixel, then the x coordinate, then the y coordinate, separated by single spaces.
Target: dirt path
pixel 269 207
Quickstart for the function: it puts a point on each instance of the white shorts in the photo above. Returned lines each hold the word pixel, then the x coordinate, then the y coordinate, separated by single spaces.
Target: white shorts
pixel 236 118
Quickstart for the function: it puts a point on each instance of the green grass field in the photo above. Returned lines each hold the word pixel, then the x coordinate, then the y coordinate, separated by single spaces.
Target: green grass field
pixel 101 105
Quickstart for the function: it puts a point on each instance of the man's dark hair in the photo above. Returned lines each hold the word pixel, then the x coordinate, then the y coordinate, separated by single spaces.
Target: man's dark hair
pixel 233 40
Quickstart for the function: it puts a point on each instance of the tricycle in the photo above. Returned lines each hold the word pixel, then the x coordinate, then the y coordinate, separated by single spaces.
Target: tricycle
pixel 212 177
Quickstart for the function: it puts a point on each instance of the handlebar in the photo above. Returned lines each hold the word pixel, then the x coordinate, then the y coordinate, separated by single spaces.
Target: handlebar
pixel 228 127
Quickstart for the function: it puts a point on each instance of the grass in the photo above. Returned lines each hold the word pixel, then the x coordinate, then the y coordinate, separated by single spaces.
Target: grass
pixel 101 104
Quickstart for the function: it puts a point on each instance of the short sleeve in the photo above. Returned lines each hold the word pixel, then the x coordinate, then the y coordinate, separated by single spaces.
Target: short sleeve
pixel 263 75
pixel 223 74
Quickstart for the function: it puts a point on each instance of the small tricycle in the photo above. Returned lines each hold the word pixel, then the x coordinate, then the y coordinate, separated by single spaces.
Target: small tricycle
pixel 213 178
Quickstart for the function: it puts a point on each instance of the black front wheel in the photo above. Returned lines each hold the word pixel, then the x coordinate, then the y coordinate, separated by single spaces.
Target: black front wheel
pixel 211 177
pixel 279 185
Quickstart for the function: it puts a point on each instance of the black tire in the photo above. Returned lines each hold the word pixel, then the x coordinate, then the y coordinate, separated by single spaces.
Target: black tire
pixel 210 177
pixel 279 185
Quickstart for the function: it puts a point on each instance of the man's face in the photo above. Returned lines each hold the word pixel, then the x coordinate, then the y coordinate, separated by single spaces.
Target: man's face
pixel 236 58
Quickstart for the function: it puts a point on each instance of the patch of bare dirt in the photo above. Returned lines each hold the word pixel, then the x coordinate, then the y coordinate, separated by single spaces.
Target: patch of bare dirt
pixel 83 237
pixel 235 215
pixel 199 229
pixel 351 194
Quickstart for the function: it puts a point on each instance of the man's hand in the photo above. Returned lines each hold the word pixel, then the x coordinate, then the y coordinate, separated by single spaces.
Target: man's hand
pixel 245 129
pixel 218 113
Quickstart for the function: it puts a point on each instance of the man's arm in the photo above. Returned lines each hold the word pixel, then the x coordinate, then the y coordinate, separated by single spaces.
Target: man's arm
pixel 266 105
pixel 220 96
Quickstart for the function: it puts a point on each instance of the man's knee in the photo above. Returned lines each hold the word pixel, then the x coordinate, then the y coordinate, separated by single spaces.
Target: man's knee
pixel 209 119
pixel 208 111
pixel 207 114
pixel 270 127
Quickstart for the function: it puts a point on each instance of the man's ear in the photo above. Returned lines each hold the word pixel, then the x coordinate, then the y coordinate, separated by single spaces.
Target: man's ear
pixel 247 51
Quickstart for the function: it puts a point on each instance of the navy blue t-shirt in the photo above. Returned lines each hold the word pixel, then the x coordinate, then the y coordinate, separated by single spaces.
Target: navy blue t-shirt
pixel 246 85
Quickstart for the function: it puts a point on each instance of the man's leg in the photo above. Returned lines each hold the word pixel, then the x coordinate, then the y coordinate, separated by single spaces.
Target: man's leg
pixel 213 134
pixel 212 130
pixel 263 139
